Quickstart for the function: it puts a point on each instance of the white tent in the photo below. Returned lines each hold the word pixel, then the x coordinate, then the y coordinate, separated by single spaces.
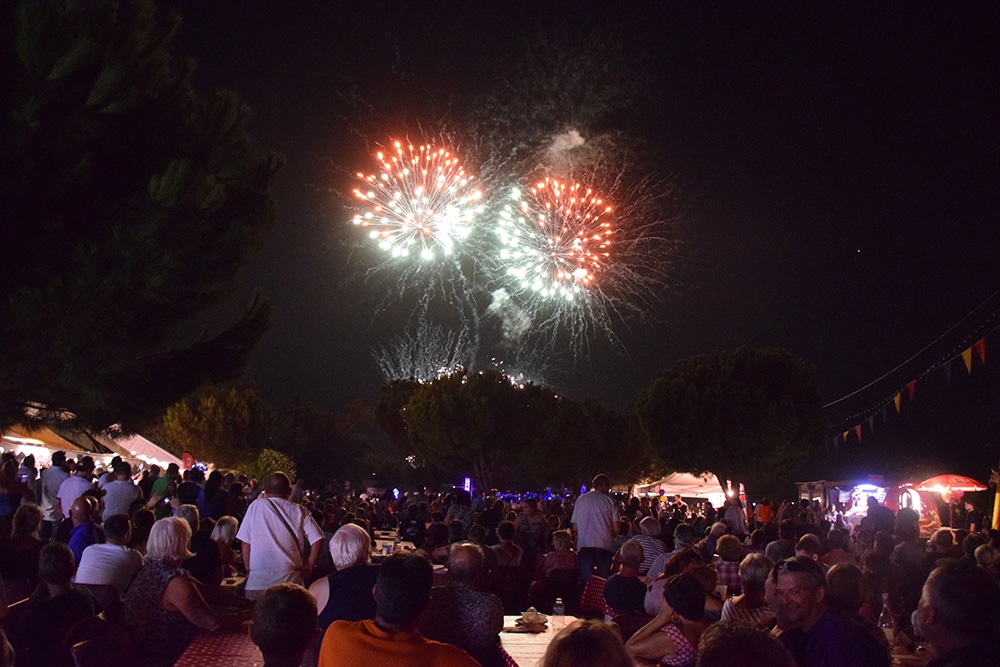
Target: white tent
pixel 705 487
pixel 145 450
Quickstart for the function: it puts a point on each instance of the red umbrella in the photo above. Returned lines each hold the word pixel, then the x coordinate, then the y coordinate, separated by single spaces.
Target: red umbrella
pixel 948 483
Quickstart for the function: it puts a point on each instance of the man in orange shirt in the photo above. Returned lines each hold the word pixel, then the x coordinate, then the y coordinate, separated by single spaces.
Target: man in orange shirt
pixel 402 595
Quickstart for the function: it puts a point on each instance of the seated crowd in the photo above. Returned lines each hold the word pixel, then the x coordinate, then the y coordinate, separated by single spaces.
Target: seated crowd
pixel 659 582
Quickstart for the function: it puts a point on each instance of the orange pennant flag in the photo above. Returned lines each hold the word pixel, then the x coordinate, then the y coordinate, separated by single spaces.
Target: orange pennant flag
pixel 911 387
pixel 981 349
pixel 967 358
pixel 845 435
pixel 857 429
pixel 896 399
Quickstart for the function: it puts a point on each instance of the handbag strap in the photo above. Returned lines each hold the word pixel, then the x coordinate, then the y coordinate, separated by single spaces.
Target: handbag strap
pixel 295 538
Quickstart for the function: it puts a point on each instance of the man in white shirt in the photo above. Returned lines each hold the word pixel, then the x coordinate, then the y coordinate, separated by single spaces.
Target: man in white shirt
pixel 595 523
pixel 273 533
pixel 52 478
pixel 111 564
pixel 109 474
pixel 120 493
pixel 76 484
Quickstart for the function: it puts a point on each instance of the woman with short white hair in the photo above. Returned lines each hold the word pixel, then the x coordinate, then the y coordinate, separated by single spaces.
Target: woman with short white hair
pixel 346 593
pixel 165 606
pixel 223 535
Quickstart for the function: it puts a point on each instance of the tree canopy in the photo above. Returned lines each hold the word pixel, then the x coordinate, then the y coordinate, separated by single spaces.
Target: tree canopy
pixel 479 422
pixel 745 415
pixel 128 203
pixel 224 425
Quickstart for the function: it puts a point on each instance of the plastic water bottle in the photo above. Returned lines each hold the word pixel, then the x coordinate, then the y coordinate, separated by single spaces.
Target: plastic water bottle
pixel 886 622
pixel 558 614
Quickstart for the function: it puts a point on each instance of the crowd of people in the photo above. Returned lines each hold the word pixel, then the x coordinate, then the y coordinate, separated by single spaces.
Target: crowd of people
pixel 155 556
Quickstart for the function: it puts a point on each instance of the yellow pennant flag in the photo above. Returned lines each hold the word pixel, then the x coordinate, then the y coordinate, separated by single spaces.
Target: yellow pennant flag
pixel 896 399
pixel 967 358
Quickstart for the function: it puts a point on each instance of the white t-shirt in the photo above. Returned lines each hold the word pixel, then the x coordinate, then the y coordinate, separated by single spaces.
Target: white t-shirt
pixel 275 556
pixel 119 496
pixel 52 478
pixel 596 519
pixel 110 565
pixel 72 488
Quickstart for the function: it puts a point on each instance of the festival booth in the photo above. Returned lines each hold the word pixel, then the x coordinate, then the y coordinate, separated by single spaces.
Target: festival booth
pixel 689 486
pixel 39 441
pixel 851 498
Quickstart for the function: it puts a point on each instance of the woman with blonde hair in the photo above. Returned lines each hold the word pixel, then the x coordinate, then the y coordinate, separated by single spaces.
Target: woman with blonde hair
pixel 224 534
pixel 587 644
pixel 165 606
pixel 346 593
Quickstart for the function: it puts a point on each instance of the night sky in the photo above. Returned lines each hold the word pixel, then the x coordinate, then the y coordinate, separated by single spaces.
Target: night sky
pixel 836 168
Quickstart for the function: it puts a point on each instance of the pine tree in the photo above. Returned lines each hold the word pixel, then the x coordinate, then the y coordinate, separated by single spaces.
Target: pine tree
pixel 127 205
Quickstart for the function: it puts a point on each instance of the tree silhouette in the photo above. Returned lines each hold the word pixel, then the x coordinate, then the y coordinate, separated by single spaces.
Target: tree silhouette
pixel 128 203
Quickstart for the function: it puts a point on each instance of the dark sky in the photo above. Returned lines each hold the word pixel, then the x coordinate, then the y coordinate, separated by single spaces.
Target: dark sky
pixel 836 167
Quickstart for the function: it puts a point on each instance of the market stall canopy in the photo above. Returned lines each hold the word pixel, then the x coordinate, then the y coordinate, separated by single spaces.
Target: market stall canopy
pixel 949 483
pixel 147 451
pixel 687 485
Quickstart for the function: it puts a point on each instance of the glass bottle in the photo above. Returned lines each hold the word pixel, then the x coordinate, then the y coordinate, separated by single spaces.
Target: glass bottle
pixel 886 622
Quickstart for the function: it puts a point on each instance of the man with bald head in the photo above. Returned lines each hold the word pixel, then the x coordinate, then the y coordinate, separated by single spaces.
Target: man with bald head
pixel 460 614
pixel 281 542
pixel 85 532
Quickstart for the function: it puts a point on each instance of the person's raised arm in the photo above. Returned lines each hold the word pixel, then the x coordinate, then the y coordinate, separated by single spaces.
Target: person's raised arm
pixel 650 642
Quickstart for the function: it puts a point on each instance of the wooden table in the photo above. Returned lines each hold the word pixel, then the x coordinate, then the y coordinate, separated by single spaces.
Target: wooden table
pixel 226 648
pixel 528 649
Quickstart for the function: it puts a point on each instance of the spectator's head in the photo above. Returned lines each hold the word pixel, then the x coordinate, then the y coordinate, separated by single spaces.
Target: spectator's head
pixel 587 644
pixel 809 546
pixel 960 604
pixel 465 563
pixel 801 592
pixel 687 560
pixel 350 545
pixel 883 543
pixel 631 553
pixel 729 548
pixel 477 533
pixel 85 467
pixel 505 531
pixel 562 540
pixel 684 536
pixel 836 539
pixel 941 541
pixel 58 459
pixel 81 511
pixel 224 531
pixel 284 623
pixel 27 520
pixel 741 643
pixel 650 527
pixel 602 483
pixel 142 523
pixel 118 529
pixel 278 486
pixel 846 587
pixel 169 540
pixel 985 556
pixel 123 471
pixel 758 539
pixel 403 589
pixel 685 594
pixel 754 570
pixel 173 470
pixel 190 514
pixel 56 564
pixel 787 529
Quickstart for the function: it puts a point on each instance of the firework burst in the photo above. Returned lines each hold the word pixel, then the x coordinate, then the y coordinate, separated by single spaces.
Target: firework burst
pixel 572 264
pixel 554 239
pixel 421 204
